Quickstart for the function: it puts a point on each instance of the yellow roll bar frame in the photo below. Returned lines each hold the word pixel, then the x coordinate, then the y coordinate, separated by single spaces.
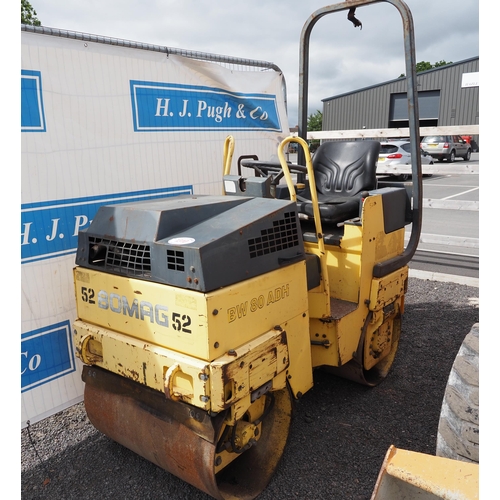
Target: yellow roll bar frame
pixel 314 199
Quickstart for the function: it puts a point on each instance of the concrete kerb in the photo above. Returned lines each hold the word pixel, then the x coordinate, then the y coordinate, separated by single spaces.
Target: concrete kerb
pixel 445 278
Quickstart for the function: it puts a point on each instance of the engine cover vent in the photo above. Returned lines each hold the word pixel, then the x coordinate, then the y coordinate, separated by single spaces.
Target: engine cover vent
pixel 282 235
pixel 175 260
pixel 122 257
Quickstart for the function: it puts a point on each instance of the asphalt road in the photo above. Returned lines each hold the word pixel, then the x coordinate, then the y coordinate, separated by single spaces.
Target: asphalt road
pixel 452 264
pixel 449 242
pixel 339 434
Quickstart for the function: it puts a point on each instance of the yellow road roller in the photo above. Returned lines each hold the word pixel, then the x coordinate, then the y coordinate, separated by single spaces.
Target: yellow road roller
pixel 201 318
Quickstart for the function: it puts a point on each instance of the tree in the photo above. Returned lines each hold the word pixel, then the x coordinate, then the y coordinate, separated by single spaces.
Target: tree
pixel 28 14
pixel 425 65
pixel 314 124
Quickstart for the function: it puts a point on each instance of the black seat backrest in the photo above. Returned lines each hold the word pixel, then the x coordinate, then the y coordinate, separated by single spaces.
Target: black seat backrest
pixel 345 168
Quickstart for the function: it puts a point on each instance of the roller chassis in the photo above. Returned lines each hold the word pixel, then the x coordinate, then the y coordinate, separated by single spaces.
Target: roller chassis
pixel 226 355
pixel 201 318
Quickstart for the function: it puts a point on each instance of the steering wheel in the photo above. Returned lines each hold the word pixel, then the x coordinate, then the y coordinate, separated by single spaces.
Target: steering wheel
pixel 265 168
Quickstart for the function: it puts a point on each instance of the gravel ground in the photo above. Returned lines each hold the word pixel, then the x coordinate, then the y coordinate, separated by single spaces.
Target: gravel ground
pixel 339 436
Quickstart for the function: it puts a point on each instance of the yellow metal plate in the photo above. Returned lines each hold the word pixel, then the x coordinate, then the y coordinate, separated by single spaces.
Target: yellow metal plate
pixel 386 290
pixel 409 474
pixel 144 363
pixel 190 322
pixel 241 372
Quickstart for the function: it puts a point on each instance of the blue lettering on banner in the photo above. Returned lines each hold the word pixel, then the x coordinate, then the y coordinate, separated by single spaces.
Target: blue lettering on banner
pixel 46 354
pixel 32 114
pixel 167 107
pixel 50 229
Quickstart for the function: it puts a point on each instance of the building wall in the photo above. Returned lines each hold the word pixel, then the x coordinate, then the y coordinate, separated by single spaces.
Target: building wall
pixel 370 107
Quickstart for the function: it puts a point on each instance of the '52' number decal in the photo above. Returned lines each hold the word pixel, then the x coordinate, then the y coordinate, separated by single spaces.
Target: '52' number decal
pixel 88 295
pixel 181 323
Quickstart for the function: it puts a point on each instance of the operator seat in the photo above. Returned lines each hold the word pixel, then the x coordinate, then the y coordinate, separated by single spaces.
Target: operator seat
pixel 344 172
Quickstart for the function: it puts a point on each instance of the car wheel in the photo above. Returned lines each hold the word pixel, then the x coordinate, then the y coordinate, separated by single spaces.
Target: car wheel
pixel 402 177
pixel 451 157
pixel 467 156
pixel 429 175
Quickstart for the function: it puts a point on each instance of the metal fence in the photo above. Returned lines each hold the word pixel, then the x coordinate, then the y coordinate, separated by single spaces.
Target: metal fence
pixel 223 60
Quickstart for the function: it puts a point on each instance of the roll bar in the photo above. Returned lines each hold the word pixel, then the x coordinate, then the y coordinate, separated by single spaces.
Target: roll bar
pixel 383 268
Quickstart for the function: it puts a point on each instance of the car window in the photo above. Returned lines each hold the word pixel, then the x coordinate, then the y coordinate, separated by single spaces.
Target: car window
pixel 386 149
pixel 435 138
pixel 406 147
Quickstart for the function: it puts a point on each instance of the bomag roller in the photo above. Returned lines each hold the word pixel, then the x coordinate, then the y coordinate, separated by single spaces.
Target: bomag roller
pixel 202 318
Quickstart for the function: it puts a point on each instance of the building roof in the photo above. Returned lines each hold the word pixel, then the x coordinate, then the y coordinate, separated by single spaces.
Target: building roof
pixel 397 79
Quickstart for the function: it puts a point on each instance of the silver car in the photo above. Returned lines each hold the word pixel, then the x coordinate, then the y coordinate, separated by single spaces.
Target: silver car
pixel 397 153
pixel 446 147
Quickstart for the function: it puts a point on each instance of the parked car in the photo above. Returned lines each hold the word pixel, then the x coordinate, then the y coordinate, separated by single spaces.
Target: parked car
pixel 446 147
pixel 393 153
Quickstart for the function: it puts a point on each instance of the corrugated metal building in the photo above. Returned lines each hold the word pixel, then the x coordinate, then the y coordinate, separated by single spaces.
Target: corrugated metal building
pixel 448 95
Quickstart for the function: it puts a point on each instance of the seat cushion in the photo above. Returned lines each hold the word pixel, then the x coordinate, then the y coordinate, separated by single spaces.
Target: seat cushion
pixel 345 209
pixel 344 172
